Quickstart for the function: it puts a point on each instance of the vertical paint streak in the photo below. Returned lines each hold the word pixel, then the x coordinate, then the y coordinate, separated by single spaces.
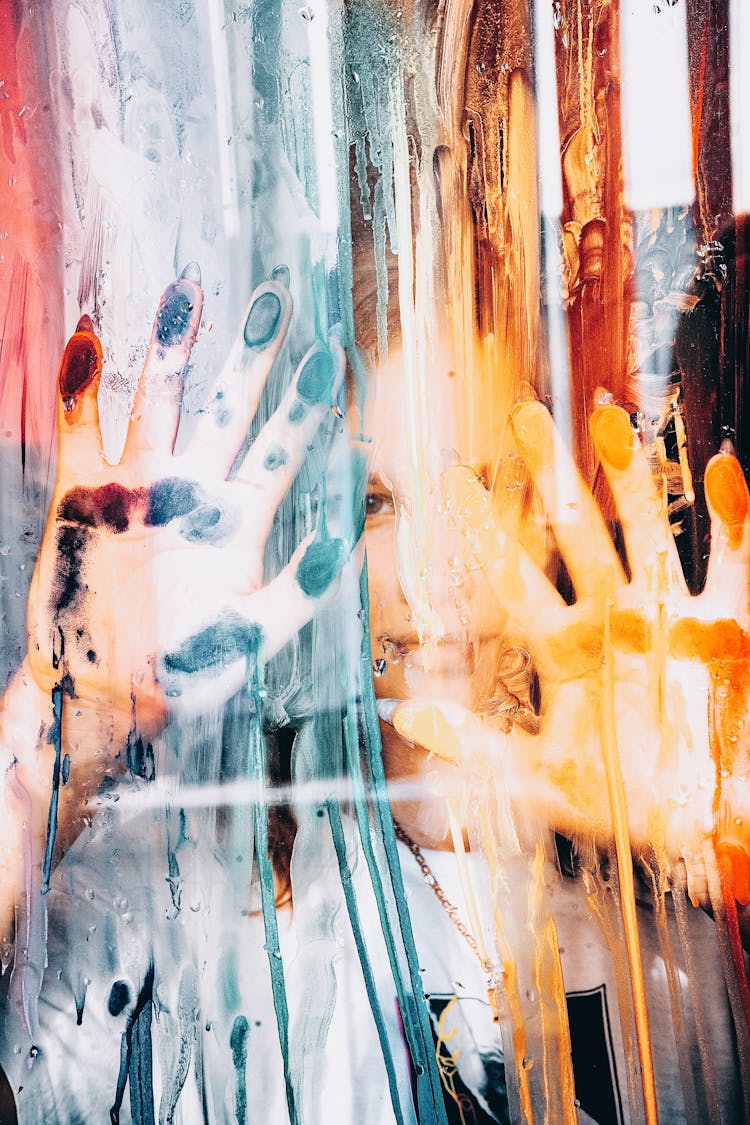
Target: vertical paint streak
pixel 339 843
pixel 679 1023
pixel 726 951
pixel 238 1045
pixel 698 97
pixel 507 996
pixel 136 1061
pixel 55 740
pixel 140 1072
pixel 618 806
pixel 24 990
pixel 258 765
pixel 697 996
pixel 726 879
pixel 413 1008
pixel 459 852
pixel 550 989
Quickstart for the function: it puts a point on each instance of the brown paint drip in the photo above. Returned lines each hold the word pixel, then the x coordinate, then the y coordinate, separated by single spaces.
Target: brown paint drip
pixel 597 232
pixel 708 57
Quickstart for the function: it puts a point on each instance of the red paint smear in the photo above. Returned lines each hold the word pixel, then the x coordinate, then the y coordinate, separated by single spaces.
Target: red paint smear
pixel 698 100
pixel 31 269
pixel 726 876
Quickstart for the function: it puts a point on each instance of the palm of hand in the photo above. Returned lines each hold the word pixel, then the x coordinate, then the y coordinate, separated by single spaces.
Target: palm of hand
pixel 642 685
pixel 149 590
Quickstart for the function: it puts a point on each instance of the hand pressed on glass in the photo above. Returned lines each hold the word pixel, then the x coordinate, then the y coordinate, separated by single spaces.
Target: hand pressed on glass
pixel 148 596
pixel 636 667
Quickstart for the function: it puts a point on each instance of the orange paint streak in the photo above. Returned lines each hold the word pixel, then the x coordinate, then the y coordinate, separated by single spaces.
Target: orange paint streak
pixel 613 436
pixel 728 894
pixel 727 494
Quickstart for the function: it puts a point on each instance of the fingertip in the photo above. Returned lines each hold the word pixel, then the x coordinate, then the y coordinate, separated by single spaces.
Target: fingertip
pixel 267 316
pixel 727 494
pixel 436 728
pixel 464 494
pixel 80 367
pixel 320 565
pixel 316 374
pixel 531 423
pixel 192 272
pixel 179 314
pixel 281 275
pixel 613 436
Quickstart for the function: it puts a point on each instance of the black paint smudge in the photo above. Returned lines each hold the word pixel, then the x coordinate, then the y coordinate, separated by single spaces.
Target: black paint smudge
pixel 169 499
pixel 135 1060
pixel 65 687
pixel 173 318
pixel 67 585
pixel 119 998
pixel 110 506
pixel 140 758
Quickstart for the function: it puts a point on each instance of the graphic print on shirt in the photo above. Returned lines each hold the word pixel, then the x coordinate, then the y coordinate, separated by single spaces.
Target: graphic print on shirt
pixel 473 1075
pixel 594 1068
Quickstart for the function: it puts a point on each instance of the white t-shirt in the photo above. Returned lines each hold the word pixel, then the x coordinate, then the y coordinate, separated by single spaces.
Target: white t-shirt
pixel 158 981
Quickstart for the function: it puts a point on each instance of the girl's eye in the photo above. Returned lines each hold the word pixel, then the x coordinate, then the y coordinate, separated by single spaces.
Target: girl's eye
pixel 376 503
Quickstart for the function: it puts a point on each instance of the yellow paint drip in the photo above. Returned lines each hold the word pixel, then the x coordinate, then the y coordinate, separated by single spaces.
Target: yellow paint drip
pixel 618 805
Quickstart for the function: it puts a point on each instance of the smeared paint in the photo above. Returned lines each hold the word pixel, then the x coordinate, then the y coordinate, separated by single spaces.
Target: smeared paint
pixel 81 363
pixel 259 772
pixel 65 687
pixel 209 523
pixel 109 506
pixel 316 378
pixel 320 565
pixel 169 499
pixel 68 581
pixel 297 412
pixel 135 1059
pixel 187 1018
pixel 217 646
pixel 139 756
pixel 175 313
pixel 345 872
pixel 119 998
pixel 263 320
pixel 275 458
pixel 238 1044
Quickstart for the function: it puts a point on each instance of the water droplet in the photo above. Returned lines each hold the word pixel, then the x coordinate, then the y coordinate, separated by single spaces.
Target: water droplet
pixel 379 667
pixel 527 1063
pixel 307 14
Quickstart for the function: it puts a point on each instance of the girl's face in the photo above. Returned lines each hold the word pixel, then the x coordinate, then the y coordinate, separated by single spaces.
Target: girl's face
pixel 434 622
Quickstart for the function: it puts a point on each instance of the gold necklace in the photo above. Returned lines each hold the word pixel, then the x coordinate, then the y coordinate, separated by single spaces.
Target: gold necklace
pixel 452 911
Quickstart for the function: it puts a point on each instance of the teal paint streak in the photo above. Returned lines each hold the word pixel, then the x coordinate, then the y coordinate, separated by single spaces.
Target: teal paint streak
pixel 259 772
pixel 238 1045
pixel 416 1020
pixel 339 844
pixel 55 739
pixel 320 565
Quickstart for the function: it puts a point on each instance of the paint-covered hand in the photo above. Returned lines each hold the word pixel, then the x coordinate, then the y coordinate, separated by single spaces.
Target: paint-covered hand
pixel 149 591
pixel 645 690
